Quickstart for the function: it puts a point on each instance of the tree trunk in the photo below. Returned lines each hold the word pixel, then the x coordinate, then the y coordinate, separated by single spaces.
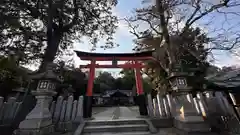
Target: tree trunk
pixel 51 51
pixel 169 48
pixel 53 40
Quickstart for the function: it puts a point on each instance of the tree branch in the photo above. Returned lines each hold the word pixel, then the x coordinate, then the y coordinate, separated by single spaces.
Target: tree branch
pixel 75 18
pixel 194 13
pixel 151 25
pixel 214 7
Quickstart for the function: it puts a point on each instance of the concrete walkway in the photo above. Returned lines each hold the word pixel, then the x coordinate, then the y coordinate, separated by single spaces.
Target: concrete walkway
pixel 121 112
pixel 127 113
pixel 106 114
pixel 124 113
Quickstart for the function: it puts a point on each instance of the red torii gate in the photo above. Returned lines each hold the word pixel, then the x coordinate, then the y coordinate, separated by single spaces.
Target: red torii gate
pixel 134 58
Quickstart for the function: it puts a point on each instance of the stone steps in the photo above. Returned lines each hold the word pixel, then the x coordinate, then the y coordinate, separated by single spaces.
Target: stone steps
pixel 115 122
pixel 120 133
pixel 123 127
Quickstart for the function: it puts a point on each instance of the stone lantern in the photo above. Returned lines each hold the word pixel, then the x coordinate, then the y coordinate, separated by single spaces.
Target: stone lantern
pixel 179 84
pixel 186 117
pixel 39 120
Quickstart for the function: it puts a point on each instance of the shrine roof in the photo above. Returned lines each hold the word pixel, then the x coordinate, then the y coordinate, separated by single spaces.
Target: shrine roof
pixel 227 80
pixel 89 55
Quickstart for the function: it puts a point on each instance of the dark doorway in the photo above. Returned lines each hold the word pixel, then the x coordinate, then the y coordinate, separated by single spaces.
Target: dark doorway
pixel 119 98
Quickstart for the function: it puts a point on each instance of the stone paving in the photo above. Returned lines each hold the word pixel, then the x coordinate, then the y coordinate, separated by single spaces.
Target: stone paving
pixel 123 113
pixel 106 114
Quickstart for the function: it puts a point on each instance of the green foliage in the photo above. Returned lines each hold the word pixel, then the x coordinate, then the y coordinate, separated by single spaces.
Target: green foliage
pixel 71 76
pixel 31 25
pixel 180 46
pixel 129 81
pixel 192 40
pixel 11 75
pixel 104 81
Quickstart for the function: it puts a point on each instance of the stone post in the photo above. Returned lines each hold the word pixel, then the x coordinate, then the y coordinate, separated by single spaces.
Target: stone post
pixel 172 106
pixel 39 120
pixel 156 108
pixel 202 104
pixel 166 107
pixel 161 106
pixel 150 105
pixel 65 123
pixel 79 115
pixel 221 103
pixel 195 101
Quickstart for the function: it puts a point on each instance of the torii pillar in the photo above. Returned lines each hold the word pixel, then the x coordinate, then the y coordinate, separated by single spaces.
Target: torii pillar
pixel 87 102
pixel 141 101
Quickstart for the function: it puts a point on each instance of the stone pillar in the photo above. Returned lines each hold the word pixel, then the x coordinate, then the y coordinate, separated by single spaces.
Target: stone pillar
pixel 79 110
pixel 65 123
pixel 234 102
pixel 172 106
pixel 57 112
pixel 229 109
pixel 74 110
pixel 196 103
pixel 150 105
pixel 221 103
pixel 166 107
pixel 161 105
pixel 156 108
pixel 202 104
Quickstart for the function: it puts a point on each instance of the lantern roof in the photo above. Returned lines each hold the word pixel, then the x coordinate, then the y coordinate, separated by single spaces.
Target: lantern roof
pixel 48 74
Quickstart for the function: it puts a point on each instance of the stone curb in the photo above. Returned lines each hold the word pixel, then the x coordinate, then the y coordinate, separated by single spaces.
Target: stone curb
pixel 80 128
pixel 152 129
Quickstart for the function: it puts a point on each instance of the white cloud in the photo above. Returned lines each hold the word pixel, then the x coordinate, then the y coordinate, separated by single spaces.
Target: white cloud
pixel 122 37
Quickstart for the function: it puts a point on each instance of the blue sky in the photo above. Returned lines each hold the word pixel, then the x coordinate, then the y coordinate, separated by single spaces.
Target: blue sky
pixel 124 38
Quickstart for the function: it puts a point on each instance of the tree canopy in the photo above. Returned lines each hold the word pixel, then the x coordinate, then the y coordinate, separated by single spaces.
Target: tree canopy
pixel 105 81
pixel 170 27
pixel 12 75
pixel 45 28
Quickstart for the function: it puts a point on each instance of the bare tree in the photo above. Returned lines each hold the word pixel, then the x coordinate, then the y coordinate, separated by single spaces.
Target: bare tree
pixel 169 21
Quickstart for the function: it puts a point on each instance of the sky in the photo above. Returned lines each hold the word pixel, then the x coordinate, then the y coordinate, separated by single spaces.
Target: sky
pixel 122 36
pixel 124 39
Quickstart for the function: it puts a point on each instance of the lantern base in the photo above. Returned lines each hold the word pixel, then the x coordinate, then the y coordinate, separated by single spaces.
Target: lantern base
pixel 142 105
pixel 87 107
pixel 194 125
